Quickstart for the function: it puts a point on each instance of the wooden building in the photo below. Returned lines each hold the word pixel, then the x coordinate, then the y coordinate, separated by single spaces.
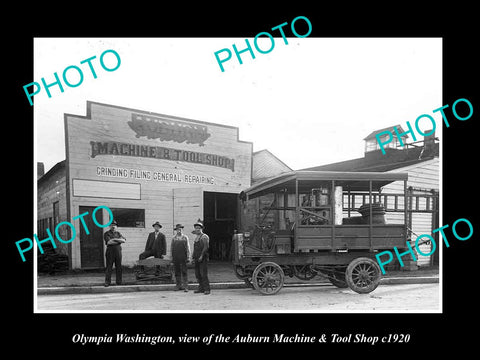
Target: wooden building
pixel 421 161
pixel 145 167
pixel 267 165
pixel 52 203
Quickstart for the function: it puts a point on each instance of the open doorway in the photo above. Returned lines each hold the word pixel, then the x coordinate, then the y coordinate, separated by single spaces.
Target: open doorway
pixel 220 219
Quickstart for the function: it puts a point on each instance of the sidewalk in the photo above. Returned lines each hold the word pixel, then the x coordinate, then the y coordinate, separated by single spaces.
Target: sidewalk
pixel 221 276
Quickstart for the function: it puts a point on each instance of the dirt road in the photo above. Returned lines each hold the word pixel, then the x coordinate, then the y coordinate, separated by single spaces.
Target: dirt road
pixel 386 298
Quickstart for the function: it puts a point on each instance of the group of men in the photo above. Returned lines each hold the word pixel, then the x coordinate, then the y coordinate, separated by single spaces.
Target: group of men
pixel 157 246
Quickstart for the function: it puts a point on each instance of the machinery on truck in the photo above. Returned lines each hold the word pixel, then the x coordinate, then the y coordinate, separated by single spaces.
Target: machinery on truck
pixel 306 223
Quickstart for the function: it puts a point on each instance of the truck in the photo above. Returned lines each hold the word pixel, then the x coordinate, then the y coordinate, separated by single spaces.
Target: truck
pixel 330 223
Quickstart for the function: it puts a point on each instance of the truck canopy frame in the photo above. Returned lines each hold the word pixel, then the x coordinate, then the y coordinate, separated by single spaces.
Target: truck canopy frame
pixel 354 181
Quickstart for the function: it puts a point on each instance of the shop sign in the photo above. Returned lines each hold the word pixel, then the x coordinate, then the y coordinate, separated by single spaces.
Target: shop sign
pixel 157 152
pixel 168 130
pixel 162 176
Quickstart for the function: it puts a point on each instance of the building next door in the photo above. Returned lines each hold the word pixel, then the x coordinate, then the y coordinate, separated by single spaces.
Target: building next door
pixel 91 245
pixel 423 218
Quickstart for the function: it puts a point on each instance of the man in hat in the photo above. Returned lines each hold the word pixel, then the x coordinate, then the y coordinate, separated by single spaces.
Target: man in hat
pixel 156 244
pixel 200 256
pixel 180 251
pixel 113 240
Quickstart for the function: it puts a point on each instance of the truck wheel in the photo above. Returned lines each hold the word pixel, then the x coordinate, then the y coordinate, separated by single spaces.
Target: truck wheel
pixel 268 278
pixel 363 275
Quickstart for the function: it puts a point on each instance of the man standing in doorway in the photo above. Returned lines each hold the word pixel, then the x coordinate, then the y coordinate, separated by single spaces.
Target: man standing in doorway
pixel 113 240
pixel 200 256
pixel 180 249
pixel 156 244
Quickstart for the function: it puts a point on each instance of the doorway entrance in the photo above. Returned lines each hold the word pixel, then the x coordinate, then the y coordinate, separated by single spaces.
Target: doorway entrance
pixel 91 245
pixel 220 220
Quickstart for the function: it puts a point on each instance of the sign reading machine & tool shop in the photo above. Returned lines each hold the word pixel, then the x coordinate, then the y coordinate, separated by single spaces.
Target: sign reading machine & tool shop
pixel 158 152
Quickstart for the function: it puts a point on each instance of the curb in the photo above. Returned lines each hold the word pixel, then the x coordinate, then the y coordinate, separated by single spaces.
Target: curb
pixel 410 280
pixel 100 289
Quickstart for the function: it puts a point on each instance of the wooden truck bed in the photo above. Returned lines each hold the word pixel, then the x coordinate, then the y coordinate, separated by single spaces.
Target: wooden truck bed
pixel 351 237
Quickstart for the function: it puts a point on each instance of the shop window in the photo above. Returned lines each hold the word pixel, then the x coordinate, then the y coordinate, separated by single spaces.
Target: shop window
pixel 129 217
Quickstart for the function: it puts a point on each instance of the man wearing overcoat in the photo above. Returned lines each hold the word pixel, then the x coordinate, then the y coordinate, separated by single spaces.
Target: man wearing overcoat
pixel 156 244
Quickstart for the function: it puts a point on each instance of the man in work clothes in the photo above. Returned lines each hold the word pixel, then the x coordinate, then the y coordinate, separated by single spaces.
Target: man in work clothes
pixel 180 249
pixel 200 257
pixel 156 244
pixel 113 240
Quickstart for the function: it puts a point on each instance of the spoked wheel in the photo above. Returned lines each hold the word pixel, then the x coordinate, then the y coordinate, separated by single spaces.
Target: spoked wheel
pixel 363 275
pixel 304 272
pixel 268 278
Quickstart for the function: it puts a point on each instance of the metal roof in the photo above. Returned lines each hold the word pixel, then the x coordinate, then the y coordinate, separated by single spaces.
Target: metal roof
pixel 266 165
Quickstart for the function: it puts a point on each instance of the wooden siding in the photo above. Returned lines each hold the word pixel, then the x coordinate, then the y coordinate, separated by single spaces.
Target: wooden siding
pixel 425 175
pixel 50 191
pixel 187 209
pixel 105 189
pixel 160 199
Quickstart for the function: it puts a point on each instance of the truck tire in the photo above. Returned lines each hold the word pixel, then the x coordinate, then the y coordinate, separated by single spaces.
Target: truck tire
pixel 363 275
pixel 268 278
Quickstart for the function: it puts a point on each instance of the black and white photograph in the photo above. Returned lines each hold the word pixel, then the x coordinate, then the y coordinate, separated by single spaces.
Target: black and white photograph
pixel 272 181
pixel 298 201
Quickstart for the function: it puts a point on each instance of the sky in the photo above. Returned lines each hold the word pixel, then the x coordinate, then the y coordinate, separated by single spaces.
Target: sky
pixel 311 102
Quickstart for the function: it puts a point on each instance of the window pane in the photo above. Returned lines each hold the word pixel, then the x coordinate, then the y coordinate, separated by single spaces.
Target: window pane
pixel 129 217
